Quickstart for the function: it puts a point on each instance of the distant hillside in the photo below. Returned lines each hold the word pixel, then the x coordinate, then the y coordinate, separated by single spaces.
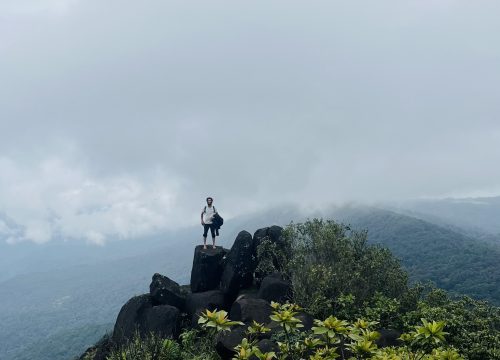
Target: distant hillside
pixel 454 261
pixel 476 215
pixel 62 343
pixel 38 308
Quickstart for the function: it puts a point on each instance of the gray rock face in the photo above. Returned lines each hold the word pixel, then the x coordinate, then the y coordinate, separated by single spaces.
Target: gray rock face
pixel 163 320
pixel 139 314
pixel 273 232
pixel 307 321
pixel 266 345
pixel 273 288
pixel 247 310
pixel 165 291
pixel 240 265
pixel 227 341
pixel 129 315
pixel 207 268
pixel 197 302
pixel 388 337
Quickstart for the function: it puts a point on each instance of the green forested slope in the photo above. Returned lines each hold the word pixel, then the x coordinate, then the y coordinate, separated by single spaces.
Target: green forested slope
pixel 455 262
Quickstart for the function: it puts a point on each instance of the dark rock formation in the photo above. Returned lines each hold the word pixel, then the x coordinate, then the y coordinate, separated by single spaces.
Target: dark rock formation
pixel 129 316
pixel 266 345
pixel 247 310
pixel 218 278
pixel 307 321
pixel 138 314
pixel 207 268
pixel 166 292
pixel 197 302
pixel 227 341
pixel 162 320
pixel 388 337
pixel 274 288
pixel 240 265
pixel 248 293
pixel 273 233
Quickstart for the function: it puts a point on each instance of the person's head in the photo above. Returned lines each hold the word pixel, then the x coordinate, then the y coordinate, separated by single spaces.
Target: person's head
pixel 209 200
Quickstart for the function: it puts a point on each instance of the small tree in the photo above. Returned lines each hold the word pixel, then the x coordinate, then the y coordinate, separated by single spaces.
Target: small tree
pixel 330 261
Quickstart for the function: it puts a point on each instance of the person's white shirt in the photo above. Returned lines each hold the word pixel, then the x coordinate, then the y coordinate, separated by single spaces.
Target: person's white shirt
pixel 208 214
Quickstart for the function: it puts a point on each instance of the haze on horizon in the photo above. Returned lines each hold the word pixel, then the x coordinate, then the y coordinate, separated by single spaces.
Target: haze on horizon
pixel 118 118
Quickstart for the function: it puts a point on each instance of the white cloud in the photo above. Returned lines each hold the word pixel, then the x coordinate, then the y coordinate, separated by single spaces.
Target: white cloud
pixel 59 197
pixel 20 7
pixel 254 103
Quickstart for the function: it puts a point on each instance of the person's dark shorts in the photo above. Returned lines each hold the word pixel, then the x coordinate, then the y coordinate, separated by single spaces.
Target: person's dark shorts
pixel 205 230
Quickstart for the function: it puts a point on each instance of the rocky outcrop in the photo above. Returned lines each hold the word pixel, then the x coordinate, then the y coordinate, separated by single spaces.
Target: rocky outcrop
pixel 273 233
pixel 220 279
pixel 207 268
pixel 139 314
pixel 197 302
pixel 388 337
pixel 163 320
pixel 240 265
pixel 129 317
pixel 274 288
pixel 247 310
pixel 266 345
pixel 227 341
pixel 165 291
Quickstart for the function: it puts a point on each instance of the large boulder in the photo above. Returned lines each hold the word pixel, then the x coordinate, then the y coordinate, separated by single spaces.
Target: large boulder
pixel 306 319
pixel 207 268
pixel 240 265
pixel 266 345
pixel 197 302
pixel 139 314
pixel 272 232
pixel 128 317
pixel 388 337
pixel 165 291
pixel 228 340
pixel 274 288
pixel 163 320
pixel 247 310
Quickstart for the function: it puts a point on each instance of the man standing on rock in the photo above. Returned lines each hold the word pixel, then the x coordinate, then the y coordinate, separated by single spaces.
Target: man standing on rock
pixel 207 215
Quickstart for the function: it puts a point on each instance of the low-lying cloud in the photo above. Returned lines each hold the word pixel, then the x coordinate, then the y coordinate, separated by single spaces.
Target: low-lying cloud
pixel 118 118
pixel 59 198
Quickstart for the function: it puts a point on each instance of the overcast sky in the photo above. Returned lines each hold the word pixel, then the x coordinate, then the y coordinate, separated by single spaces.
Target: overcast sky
pixel 118 118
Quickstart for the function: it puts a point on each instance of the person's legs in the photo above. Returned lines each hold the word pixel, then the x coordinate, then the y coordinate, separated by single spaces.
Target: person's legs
pixel 212 231
pixel 205 232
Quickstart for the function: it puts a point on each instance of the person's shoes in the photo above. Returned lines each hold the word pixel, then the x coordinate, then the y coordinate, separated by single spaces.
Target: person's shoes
pixel 205 247
pixel 213 246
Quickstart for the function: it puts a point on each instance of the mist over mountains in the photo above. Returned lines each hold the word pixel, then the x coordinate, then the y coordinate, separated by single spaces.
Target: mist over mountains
pixel 51 290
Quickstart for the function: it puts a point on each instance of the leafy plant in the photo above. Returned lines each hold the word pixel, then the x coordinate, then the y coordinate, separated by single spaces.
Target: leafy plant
pixel 152 347
pixel 216 320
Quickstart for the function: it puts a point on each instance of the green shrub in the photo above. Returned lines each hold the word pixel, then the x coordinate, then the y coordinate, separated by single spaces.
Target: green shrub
pixel 152 347
pixel 473 325
pixel 329 262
